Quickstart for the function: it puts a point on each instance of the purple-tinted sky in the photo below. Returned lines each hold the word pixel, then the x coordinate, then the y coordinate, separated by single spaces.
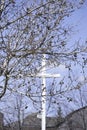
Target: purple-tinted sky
pixel 79 21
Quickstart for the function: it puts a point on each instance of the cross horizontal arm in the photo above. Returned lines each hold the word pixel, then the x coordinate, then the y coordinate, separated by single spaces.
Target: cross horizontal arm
pixel 45 75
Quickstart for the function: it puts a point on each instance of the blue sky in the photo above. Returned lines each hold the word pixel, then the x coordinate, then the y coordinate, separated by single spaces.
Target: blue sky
pixel 79 21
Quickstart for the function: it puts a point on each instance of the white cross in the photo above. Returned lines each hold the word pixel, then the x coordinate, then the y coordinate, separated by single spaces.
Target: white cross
pixel 43 75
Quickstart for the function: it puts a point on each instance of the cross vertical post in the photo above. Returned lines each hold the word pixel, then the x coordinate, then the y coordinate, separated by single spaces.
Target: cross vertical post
pixel 43 75
pixel 43 123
